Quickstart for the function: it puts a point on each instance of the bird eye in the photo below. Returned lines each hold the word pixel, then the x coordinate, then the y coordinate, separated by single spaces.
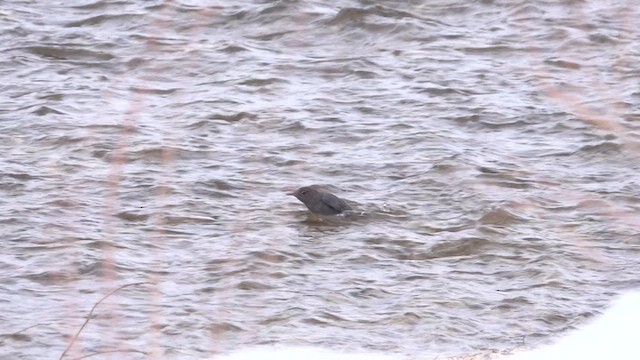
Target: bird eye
pixel 304 192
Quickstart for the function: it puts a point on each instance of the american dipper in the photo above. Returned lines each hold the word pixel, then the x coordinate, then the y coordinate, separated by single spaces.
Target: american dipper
pixel 320 201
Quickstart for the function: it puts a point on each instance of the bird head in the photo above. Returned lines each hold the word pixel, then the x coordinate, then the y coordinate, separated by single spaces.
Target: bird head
pixel 304 193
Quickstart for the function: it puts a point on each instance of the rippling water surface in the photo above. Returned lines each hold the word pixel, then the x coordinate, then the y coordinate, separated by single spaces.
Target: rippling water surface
pixel 490 147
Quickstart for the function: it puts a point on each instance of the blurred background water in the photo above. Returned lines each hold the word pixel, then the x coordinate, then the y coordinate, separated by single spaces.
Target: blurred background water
pixel 491 148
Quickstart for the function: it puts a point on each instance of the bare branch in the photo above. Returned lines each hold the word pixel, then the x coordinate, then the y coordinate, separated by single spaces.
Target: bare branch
pixel 91 313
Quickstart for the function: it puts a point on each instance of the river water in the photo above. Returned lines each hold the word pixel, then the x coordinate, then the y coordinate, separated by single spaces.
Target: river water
pixel 491 149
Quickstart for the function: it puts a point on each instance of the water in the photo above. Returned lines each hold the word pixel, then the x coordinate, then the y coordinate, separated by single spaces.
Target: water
pixel 491 148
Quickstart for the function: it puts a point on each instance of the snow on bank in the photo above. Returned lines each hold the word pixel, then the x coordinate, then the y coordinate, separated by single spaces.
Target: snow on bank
pixel 613 335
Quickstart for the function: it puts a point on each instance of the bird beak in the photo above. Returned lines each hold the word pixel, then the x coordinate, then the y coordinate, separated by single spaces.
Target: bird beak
pixel 293 193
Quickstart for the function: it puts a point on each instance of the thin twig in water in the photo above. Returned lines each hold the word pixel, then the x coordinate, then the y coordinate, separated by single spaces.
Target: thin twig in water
pixel 91 312
pixel 110 352
pixel 18 332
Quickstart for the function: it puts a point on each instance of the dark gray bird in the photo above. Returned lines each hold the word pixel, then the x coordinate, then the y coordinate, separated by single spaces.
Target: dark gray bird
pixel 320 201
